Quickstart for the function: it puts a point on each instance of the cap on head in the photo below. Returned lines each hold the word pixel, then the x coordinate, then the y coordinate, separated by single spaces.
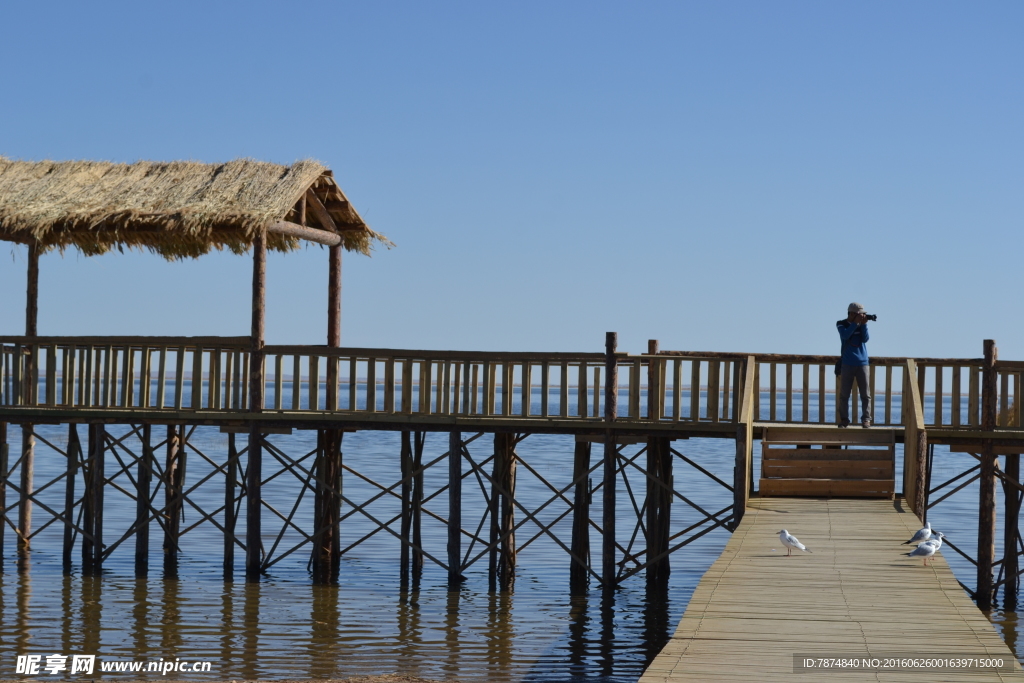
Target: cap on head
pixel 854 308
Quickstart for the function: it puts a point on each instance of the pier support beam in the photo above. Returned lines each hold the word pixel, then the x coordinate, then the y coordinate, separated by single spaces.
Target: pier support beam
pixel 327 508
pixel 411 457
pixel 659 507
pixel 73 463
pixel 92 502
pixel 174 487
pixel 230 477
pixel 503 490
pixel 143 481
pixel 987 493
pixel 29 388
pixel 611 399
pixel 1011 530
pixel 454 509
pixel 580 559
pixel 254 471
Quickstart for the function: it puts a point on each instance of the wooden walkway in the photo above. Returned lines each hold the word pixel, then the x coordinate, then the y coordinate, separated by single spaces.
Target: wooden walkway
pixel 856 595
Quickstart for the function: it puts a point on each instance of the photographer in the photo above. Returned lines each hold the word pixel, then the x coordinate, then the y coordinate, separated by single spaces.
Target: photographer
pixel 854 363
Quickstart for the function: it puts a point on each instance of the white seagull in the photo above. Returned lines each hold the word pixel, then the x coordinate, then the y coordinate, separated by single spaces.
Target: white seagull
pixel 922 535
pixel 791 542
pixel 936 540
pixel 924 551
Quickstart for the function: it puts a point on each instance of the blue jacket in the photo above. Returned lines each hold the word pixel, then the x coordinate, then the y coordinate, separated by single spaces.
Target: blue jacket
pixel 855 337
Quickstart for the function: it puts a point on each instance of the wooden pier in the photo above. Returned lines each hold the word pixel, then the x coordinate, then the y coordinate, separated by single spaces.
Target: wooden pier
pixel 857 595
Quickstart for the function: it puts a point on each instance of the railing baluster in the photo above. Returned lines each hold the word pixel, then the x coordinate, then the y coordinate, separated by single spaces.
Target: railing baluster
pixel 972 395
pixel 457 382
pixel 714 370
pixel 353 383
pixel 581 391
pixel 144 378
pixel 407 364
pixel 161 399
pixel 938 402
pixel 371 385
pixel 635 379
pixel 821 393
pixel 695 390
pixel 888 394
pixel 389 385
pixel 51 375
pixel 677 389
pixel 563 394
pixel 545 387
pixel 597 392
pixel 954 403
pixel 297 382
pixel 526 389
pixel 473 391
pixel 805 393
pixel 1004 398
pixel 726 373
pixel 772 393
pixel 789 392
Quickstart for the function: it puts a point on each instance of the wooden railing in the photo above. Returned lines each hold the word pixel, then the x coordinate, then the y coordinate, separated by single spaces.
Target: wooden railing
pixel 211 373
pixel 124 372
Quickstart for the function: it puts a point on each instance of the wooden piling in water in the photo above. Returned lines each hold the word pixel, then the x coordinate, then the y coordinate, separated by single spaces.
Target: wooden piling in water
pixel 254 471
pixel 174 487
pixel 419 440
pixel 327 508
pixel 611 400
pixel 1011 530
pixel 659 507
pixel 143 481
pixel 987 493
pixel 74 459
pixel 406 469
pixel 30 386
pixel 92 502
pixel 579 561
pixel 230 479
pixel 503 491
pixel 454 508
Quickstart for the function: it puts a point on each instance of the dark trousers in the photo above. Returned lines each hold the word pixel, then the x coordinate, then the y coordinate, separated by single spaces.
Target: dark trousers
pixel 851 373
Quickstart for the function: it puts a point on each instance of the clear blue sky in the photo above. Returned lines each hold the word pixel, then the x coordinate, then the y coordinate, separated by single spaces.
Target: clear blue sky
pixel 719 176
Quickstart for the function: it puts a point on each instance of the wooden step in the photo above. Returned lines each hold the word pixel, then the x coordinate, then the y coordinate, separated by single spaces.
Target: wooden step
pixel 771 453
pixel 816 469
pixel 819 435
pixel 828 488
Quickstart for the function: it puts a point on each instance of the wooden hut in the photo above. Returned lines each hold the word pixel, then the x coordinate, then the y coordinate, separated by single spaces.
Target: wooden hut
pixel 181 209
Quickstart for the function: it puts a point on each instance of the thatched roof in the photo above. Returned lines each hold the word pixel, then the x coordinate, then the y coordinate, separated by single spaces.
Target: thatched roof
pixel 177 209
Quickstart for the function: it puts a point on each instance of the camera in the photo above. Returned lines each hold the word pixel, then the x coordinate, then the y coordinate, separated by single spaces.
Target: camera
pixel 871 317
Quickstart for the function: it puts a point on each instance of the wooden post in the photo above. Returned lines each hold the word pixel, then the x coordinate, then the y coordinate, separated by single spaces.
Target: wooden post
pixel 73 461
pixel 742 481
pixel 987 494
pixel 578 568
pixel 30 387
pixel 143 479
pixel 503 490
pixel 327 508
pixel 254 473
pixel 654 390
pixel 659 506
pixel 454 508
pixel 334 298
pixel 405 466
pixel 611 400
pixel 174 487
pixel 419 440
pixel 229 509
pixel 3 489
pixel 92 502
pixel 1011 528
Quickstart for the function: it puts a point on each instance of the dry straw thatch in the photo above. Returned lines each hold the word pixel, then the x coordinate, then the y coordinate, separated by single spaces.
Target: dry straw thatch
pixel 177 209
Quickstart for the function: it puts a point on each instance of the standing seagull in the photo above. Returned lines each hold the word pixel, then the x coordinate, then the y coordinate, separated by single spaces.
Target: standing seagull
pixel 924 551
pixel 922 535
pixel 791 542
pixel 937 541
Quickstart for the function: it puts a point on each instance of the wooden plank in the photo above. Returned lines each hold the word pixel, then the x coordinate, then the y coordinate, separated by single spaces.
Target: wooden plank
pixel 773 396
pixel 506 389
pixel 197 378
pixel 726 373
pixel 826 454
pixel 407 364
pixel 216 377
pixel 789 392
pixel 794 435
pixel 526 392
pixel 278 381
pixel 827 488
pixel 353 384
pixel 1004 399
pixel 457 383
pixel 939 399
pixel 371 383
pixel 818 469
pixel 714 377
pixel 444 389
pixel 973 395
pixel 297 382
pixel 581 391
pixel 145 387
pixel 597 391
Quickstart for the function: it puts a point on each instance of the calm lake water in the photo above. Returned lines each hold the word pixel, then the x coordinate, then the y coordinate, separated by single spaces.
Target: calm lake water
pixel 286 628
